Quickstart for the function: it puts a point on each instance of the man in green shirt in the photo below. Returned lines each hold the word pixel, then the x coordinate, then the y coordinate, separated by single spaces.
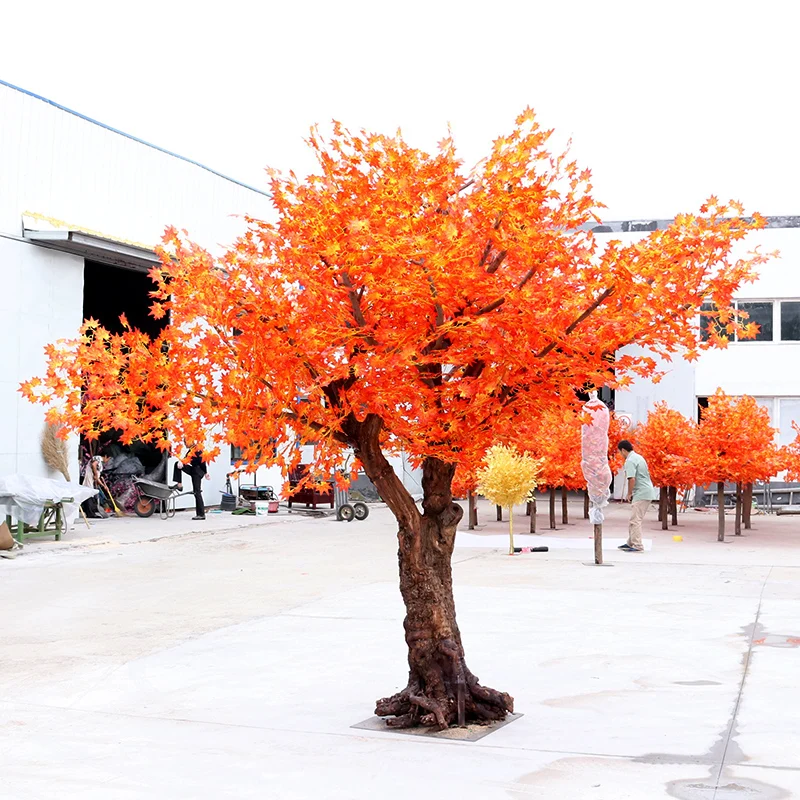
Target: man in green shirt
pixel 639 492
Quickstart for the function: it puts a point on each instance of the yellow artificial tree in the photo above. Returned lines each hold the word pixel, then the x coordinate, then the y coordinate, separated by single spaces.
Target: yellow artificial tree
pixel 507 478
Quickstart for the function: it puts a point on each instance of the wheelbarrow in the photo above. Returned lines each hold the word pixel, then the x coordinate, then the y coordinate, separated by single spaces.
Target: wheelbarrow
pixel 151 495
pixel 345 510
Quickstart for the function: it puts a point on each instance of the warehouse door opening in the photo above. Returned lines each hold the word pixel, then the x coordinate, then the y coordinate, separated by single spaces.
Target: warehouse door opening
pixel 108 292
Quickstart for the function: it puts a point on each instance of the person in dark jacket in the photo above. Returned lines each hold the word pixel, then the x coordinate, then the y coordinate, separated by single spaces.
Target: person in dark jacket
pixel 196 469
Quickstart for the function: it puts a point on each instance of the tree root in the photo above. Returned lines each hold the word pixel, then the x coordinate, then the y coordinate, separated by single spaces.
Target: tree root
pixel 442 693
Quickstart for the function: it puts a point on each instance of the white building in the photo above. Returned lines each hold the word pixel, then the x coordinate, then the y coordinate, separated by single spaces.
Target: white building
pixel 768 368
pixel 81 208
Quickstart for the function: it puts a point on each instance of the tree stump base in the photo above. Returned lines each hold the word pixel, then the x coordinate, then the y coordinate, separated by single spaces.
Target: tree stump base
pixel 472 732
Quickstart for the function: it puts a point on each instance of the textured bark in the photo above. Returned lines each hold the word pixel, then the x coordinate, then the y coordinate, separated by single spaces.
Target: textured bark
pixel 564 506
pixel 473 511
pixel 586 505
pixel 721 512
pixel 533 515
pixel 528 509
pixel 553 507
pixel 673 504
pixel 441 690
pixel 737 526
pixel 663 513
pixel 748 506
pixel 499 513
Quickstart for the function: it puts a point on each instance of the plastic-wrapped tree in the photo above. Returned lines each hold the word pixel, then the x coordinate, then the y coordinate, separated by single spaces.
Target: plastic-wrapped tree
pixel 507 478
pixel 736 444
pixel 667 441
pixel 595 466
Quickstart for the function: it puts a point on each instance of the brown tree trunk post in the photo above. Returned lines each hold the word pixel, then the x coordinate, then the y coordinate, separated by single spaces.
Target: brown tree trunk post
pixel 748 506
pixel 663 506
pixel 586 504
pixel 564 506
pixel 721 511
pixel 598 544
pixel 533 515
pixel 673 501
pixel 441 690
pixel 528 508
pixel 737 525
pixel 499 513
pixel 472 511
pixel 553 507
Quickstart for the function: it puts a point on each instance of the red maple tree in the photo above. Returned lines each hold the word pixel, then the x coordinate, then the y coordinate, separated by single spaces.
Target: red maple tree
pixel 399 300
pixel 667 440
pixel 735 443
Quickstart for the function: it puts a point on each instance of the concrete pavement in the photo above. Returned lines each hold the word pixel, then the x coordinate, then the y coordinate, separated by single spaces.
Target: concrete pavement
pixel 172 660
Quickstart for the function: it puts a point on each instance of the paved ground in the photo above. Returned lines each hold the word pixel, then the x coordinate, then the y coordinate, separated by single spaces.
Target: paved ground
pixel 147 659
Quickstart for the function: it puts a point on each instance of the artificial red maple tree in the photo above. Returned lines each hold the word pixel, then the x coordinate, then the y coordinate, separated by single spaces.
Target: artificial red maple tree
pixel 735 443
pixel 399 300
pixel 790 455
pixel 666 440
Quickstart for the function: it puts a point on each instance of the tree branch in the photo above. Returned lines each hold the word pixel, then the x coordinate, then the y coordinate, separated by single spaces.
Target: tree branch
pixel 599 300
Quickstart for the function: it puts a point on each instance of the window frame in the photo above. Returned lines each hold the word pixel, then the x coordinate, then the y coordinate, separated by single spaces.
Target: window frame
pixel 777 332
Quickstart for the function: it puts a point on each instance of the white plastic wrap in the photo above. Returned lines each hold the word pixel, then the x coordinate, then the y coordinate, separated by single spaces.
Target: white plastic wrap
pixel 594 458
pixel 24 496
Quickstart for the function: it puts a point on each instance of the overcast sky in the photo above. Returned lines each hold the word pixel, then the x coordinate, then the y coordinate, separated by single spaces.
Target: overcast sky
pixel 666 102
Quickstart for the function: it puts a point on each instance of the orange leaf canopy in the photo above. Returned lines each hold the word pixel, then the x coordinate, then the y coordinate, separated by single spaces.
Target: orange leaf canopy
pixel 736 441
pixel 443 305
pixel 667 440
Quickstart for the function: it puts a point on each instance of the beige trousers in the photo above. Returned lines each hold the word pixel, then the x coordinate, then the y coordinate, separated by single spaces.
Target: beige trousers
pixel 638 510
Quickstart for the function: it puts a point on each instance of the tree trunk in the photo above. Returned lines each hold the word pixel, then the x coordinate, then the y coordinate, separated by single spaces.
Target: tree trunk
pixel 721 511
pixel 598 544
pixel 553 507
pixel 533 515
pixel 528 508
pixel 499 513
pixel 586 504
pixel 663 508
pixel 441 690
pixel 748 506
pixel 673 501
pixel 564 506
pixel 737 526
pixel 472 511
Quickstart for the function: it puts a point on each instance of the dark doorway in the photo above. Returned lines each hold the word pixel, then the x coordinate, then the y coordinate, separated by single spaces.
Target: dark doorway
pixel 702 405
pixel 110 291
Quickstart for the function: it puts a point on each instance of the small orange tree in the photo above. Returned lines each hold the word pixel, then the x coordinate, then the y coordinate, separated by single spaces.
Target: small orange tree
pixel 399 300
pixel 790 456
pixel 667 442
pixel 735 443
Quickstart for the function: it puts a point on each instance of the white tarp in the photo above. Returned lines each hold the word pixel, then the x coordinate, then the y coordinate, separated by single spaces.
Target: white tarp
pixel 594 458
pixel 24 496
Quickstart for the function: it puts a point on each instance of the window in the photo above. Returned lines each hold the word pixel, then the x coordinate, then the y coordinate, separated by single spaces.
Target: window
pixel 761 313
pixel 790 412
pixel 777 320
pixel 769 404
pixel 707 321
pixel 790 321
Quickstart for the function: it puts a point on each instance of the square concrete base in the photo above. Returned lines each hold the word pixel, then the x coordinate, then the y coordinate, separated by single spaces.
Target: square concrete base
pixel 472 733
